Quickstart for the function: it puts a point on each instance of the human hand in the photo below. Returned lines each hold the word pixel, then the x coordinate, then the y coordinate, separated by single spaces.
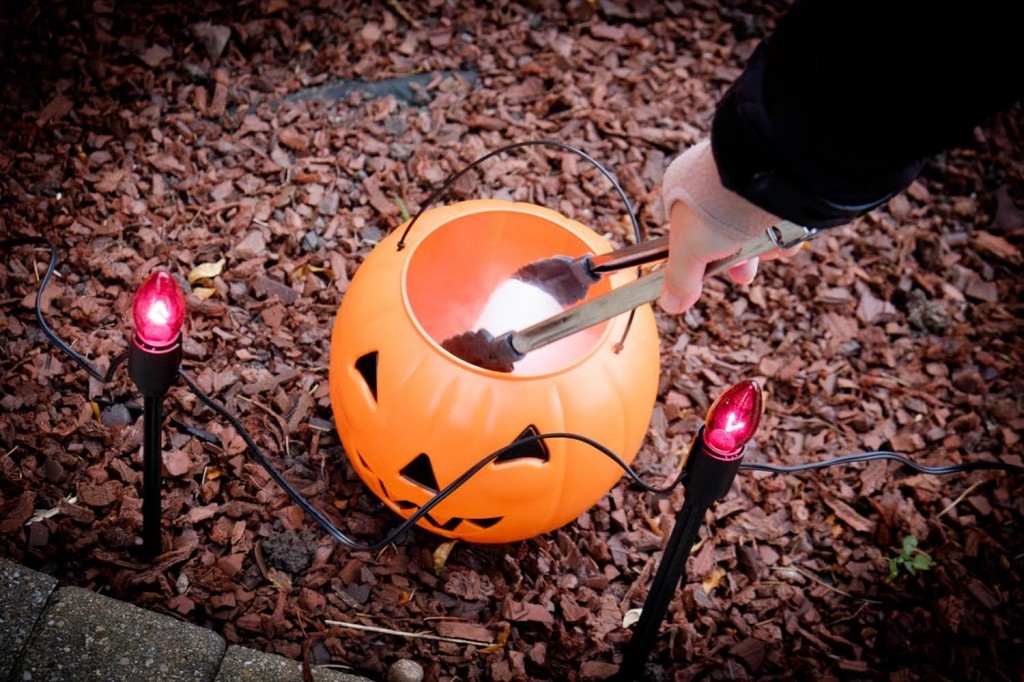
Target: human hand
pixel 707 222
pixel 694 243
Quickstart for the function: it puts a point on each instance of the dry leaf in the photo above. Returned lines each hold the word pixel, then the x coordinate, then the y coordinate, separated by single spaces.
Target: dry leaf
pixel 203 293
pixel 711 582
pixel 441 555
pixel 325 273
pixel 654 526
pixel 212 473
pixel 206 271
pixel 502 638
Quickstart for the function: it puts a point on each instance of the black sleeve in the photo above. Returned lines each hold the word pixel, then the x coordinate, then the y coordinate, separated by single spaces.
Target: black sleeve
pixel 837 110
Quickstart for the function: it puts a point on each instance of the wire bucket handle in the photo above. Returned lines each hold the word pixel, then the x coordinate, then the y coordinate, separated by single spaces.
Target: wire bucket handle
pixel 452 179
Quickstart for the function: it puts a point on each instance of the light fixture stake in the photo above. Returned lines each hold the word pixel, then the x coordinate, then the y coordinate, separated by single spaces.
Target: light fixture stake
pixel 711 466
pixel 153 361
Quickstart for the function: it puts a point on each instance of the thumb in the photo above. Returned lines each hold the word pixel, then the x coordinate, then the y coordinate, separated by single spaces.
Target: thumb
pixel 684 277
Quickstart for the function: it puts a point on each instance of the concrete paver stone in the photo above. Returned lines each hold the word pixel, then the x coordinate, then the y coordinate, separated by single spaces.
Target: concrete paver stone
pixel 73 635
pixel 86 637
pixel 23 595
pixel 247 665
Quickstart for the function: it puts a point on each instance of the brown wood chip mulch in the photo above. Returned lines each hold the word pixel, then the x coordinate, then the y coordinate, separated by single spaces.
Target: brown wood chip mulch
pixel 284 138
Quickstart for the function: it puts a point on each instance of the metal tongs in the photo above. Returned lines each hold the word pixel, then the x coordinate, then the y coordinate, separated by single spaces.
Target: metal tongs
pixel 568 280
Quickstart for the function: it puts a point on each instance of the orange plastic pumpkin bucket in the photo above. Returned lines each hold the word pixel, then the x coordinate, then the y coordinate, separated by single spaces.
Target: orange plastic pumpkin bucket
pixel 413 418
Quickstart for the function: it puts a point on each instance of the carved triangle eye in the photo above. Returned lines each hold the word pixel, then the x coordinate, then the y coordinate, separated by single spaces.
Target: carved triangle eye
pixel 421 472
pixel 532 450
pixel 366 365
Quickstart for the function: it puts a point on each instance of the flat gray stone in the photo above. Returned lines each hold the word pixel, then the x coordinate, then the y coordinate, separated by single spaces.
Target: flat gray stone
pixel 23 595
pixel 247 665
pixel 86 637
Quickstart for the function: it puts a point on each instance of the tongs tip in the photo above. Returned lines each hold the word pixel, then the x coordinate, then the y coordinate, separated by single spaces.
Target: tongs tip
pixel 567 280
pixel 484 350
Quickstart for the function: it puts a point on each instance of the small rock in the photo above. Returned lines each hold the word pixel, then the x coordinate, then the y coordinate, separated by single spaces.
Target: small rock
pixel 214 37
pixel 371 233
pixel 405 670
pixel 115 415
pixel 310 241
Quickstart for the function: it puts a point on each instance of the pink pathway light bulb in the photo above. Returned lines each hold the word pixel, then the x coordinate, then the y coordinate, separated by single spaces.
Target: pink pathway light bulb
pixel 733 418
pixel 158 310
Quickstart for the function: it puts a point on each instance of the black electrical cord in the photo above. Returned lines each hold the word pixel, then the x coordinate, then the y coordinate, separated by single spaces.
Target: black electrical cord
pixel 338 535
pixel 266 464
pixel 883 454
pixel 469 473
pixel 49 333
pixel 630 473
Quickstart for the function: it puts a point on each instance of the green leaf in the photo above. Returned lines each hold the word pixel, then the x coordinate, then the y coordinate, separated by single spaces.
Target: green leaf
pixel 402 208
pixel 894 570
pixel 921 562
pixel 909 545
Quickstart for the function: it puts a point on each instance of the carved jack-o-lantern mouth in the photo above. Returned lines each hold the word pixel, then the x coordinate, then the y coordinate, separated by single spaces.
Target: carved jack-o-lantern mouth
pixel 413 418
pixel 420 471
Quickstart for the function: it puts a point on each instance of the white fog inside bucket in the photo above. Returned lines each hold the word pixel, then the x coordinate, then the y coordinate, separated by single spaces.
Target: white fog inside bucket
pixel 516 305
